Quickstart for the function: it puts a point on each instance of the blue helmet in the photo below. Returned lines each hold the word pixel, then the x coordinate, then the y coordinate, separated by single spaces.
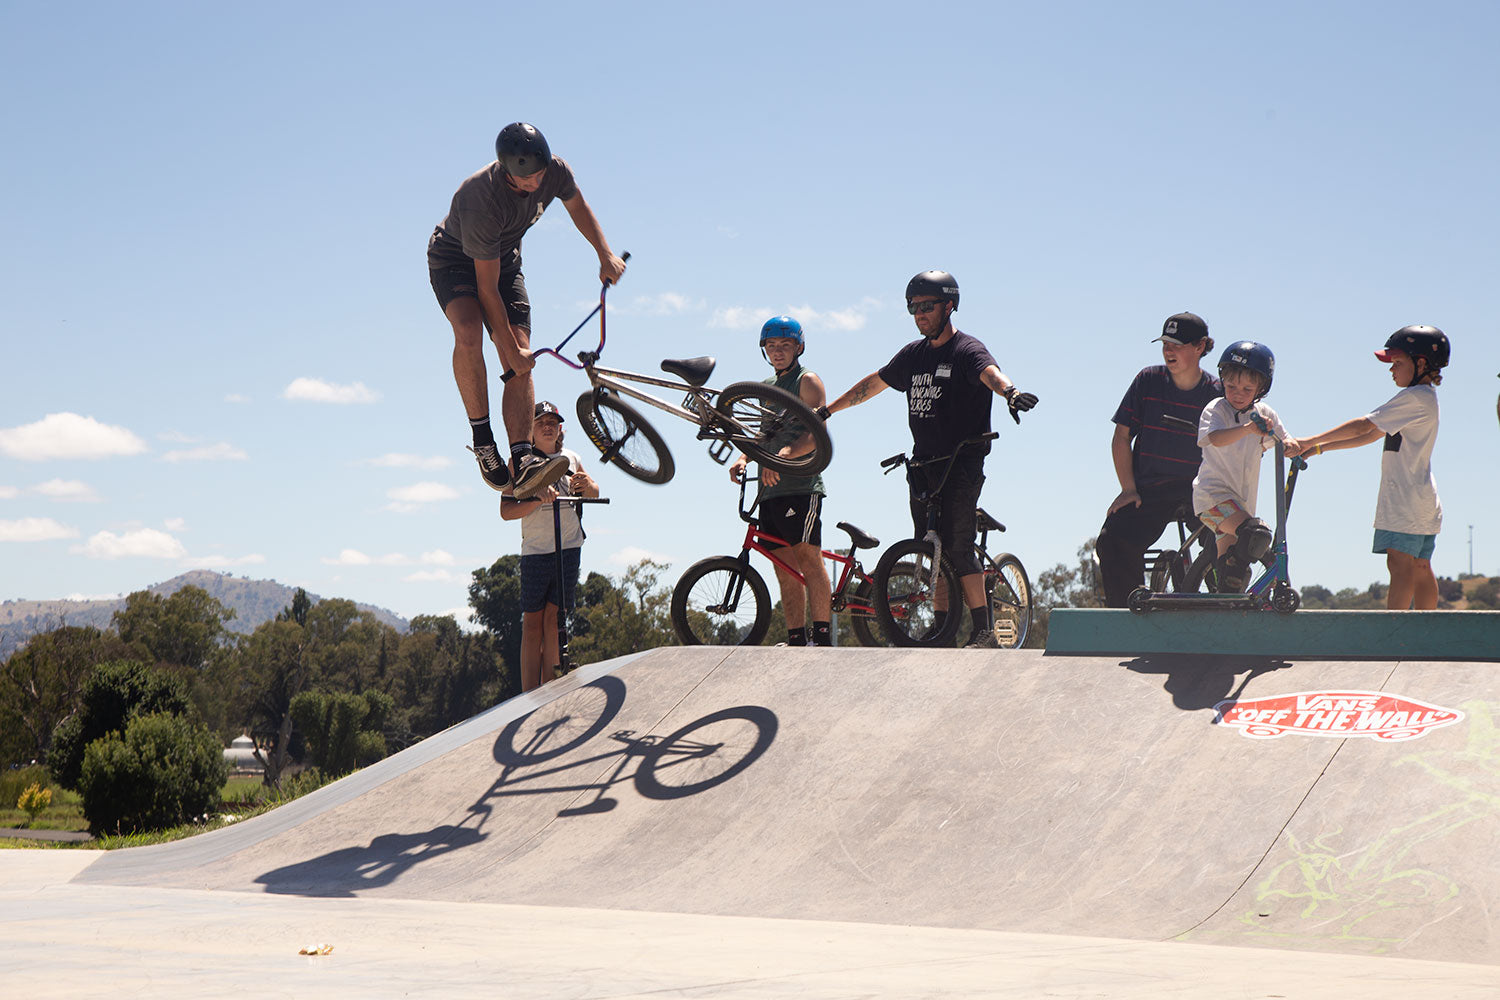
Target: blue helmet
pixel 1247 355
pixel 782 326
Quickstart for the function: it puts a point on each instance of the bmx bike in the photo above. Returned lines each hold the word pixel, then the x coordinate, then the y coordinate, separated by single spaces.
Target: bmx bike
pixel 918 598
pixel 724 601
pixel 757 419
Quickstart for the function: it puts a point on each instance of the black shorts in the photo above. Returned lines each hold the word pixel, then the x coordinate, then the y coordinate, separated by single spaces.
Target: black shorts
pixel 459 281
pixel 957 525
pixel 796 518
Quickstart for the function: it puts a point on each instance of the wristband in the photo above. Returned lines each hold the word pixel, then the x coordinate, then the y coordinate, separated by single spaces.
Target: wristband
pixel 822 413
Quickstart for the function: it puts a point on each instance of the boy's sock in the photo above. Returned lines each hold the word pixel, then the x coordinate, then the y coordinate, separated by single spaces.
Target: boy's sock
pixel 981 618
pixel 483 435
pixel 822 634
pixel 796 637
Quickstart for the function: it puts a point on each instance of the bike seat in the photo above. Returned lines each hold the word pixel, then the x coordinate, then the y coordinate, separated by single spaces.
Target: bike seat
pixel 859 538
pixel 984 522
pixel 693 371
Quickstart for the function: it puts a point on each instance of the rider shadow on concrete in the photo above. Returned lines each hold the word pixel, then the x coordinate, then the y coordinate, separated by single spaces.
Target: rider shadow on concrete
pixel 351 870
pixel 1198 681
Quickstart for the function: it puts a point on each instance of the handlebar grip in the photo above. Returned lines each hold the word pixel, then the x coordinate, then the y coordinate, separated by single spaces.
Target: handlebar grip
pixel 625 256
pixel 509 374
pixel 893 461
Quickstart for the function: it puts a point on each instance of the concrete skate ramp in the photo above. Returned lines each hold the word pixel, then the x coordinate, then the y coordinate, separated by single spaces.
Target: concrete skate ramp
pixel 997 790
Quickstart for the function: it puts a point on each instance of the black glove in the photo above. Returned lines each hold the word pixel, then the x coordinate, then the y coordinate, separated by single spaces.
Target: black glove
pixel 1020 402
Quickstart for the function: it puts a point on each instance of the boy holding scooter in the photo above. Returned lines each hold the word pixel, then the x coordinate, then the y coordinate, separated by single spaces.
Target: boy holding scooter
pixel 1408 512
pixel 1234 432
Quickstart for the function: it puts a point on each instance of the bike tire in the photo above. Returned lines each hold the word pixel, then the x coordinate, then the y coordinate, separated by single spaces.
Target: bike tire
pixel 905 595
pixel 774 418
pixel 1168 573
pixel 607 419
pixel 1202 575
pixel 561 725
pixel 699 617
pixel 866 625
pixel 1009 592
pixel 742 735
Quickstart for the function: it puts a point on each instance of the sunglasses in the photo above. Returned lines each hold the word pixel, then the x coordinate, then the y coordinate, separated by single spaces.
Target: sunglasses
pixel 922 308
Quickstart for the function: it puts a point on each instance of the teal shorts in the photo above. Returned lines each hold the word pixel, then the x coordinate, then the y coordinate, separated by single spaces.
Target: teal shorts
pixel 1416 546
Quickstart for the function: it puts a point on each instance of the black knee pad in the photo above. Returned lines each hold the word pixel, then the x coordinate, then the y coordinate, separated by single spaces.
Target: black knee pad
pixel 1252 541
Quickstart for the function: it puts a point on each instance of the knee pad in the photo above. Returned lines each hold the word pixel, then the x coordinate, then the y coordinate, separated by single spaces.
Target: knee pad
pixel 1252 541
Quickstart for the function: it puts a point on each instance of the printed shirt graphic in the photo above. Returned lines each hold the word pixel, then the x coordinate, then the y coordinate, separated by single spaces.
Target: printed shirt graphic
pixel 1408 500
pixel 487 218
pixel 1163 424
pixel 1233 471
pixel 945 401
pixel 537 535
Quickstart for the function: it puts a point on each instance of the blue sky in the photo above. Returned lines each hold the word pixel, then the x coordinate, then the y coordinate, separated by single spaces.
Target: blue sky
pixel 221 349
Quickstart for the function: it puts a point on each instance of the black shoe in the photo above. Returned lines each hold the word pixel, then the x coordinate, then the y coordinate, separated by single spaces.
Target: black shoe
pixel 534 473
pixel 1233 577
pixel 983 639
pixel 496 476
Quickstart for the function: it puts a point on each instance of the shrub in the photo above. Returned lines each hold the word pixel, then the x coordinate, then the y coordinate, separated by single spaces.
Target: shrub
pixel 33 800
pixel 113 693
pixel 161 772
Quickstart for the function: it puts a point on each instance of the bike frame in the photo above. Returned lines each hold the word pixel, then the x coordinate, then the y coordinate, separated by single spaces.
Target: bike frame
pixel 930 497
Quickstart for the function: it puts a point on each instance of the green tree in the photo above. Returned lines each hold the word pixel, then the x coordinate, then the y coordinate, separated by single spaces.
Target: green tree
pixel 297 610
pixel 40 685
pixel 276 671
pixel 114 693
pixel 162 771
pixel 495 596
pixel 627 617
pixel 343 731
pixel 182 630
pixel 1063 586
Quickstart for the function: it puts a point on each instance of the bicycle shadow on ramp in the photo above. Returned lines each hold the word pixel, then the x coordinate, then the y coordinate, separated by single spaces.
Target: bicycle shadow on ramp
pixel 559 750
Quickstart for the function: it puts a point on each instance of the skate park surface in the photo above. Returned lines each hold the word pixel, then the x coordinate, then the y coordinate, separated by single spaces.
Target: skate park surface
pixel 759 822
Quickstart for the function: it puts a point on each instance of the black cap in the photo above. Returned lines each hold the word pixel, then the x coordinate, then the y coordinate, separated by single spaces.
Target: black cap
pixel 1183 328
pixel 544 408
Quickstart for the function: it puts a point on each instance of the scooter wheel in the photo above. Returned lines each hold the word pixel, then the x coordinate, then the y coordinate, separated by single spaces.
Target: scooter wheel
pixel 1139 601
pixel 1285 600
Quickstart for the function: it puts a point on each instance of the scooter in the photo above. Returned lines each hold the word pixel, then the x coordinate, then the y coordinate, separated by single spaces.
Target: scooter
pixel 564 661
pixel 1271 592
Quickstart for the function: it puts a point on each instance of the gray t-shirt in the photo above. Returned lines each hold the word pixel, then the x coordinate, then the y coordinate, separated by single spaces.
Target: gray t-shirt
pixel 488 218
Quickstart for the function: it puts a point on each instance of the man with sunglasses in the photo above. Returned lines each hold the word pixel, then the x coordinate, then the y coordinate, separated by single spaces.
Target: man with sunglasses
pixel 950 380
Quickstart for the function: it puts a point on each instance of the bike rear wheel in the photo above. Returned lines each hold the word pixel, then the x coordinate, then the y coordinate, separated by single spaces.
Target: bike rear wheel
pixel 908 592
pixel 761 419
pixel 1203 574
pixel 1009 591
pixel 866 624
pixel 624 437
pixel 720 601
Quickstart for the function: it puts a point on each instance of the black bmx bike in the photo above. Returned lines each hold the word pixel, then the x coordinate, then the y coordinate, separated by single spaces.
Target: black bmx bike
pixel 918 598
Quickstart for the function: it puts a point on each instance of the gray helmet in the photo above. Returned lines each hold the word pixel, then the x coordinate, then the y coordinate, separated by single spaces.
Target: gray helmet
pixel 938 283
pixel 522 149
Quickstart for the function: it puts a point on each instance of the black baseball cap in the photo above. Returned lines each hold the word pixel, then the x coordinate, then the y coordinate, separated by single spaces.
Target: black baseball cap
pixel 1183 328
pixel 544 408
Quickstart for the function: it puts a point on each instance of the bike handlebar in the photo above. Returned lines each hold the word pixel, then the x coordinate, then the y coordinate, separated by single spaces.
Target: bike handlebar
pixel 901 459
pixel 585 358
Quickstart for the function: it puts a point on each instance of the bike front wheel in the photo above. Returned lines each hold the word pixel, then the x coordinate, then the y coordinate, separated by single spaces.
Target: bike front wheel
pixel 918 604
pixel 721 601
pixel 862 615
pixel 1009 591
pixel 761 419
pixel 624 438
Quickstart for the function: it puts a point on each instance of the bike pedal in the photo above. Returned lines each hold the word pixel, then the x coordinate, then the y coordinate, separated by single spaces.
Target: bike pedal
pixel 720 451
pixel 1005 632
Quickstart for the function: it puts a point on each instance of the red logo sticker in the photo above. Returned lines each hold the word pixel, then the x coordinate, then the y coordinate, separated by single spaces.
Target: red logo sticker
pixel 1341 714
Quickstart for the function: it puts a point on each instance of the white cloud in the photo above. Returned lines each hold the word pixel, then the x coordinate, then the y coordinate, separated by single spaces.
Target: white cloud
pixel 68 435
pixel 9 492
pixel 398 460
pixel 175 523
pixel 814 321
pixel 663 304
pixel 93 597
pixel 221 452
pixel 146 543
pixel 67 490
pixel 437 557
pixel 177 437
pixel 433 576
pixel 235 397
pixel 354 557
pixel 405 499
pixel 632 554
pixel 316 390
pixel 35 529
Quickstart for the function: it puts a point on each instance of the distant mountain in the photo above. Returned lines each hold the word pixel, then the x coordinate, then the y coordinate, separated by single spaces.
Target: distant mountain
pixel 253 601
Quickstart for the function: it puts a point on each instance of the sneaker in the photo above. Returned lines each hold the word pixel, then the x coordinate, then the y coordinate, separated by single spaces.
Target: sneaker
pixel 983 639
pixel 534 473
pixel 491 467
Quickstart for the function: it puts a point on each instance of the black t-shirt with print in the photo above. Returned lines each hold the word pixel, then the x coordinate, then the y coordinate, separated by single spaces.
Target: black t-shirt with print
pixel 945 400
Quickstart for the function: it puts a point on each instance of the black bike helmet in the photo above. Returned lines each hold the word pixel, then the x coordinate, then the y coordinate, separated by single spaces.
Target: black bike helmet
pixel 1247 355
pixel 522 149
pixel 1418 342
pixel 937 283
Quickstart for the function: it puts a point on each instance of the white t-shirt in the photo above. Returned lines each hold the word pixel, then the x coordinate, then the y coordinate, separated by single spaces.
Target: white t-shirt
pixel 1408 500
pixel 537 534
pixel 1231 472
